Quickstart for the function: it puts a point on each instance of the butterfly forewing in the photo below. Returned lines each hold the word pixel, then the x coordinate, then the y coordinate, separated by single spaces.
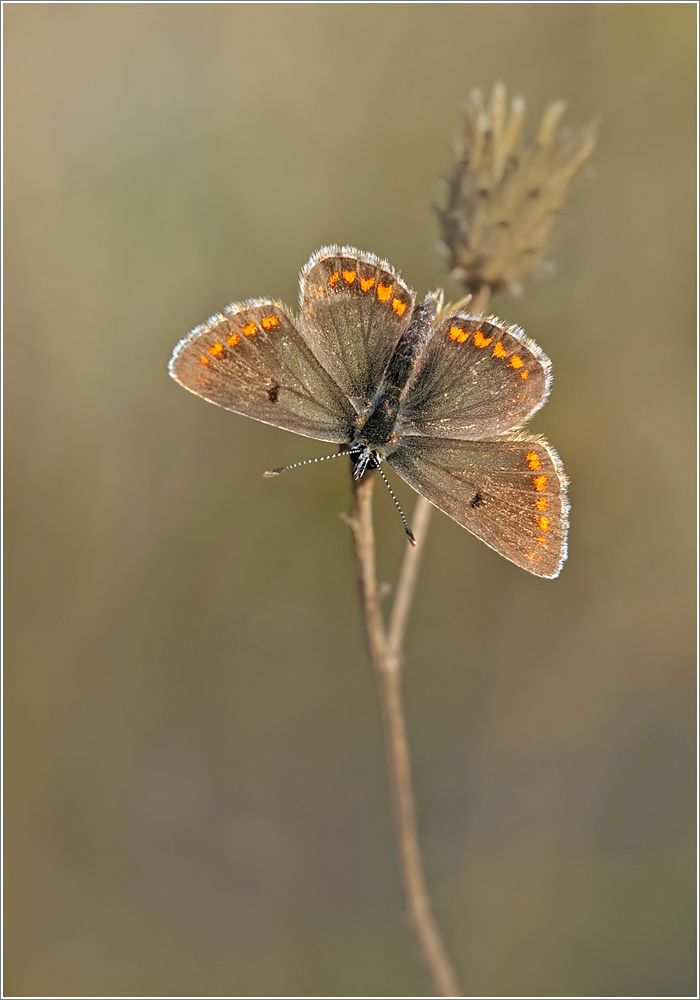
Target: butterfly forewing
pixel 477 378
pixel 354 307
pixel 252 360
pixel 510 494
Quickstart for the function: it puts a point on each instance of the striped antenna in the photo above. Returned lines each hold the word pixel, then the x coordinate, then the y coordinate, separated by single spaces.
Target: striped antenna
pixel 308 461
pixel 337 454
pixel 406 525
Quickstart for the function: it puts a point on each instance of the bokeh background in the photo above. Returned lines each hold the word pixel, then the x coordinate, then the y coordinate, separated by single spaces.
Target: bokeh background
pixel 195 794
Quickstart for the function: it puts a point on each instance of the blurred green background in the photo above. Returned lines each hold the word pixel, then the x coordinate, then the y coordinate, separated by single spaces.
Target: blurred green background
pixel 195 792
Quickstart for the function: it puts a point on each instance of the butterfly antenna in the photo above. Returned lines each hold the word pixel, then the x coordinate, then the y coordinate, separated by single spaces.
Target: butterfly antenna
pixel 295 465
pixel 406 525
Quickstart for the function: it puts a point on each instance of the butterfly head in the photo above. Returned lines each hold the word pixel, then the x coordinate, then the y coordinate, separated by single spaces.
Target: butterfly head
pixel 363 457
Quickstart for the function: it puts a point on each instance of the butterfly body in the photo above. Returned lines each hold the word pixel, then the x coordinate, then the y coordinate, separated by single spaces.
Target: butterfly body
pixel 441 397
pixel 377 433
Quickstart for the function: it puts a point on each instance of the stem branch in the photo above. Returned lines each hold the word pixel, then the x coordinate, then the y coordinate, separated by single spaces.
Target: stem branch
pixel 408 574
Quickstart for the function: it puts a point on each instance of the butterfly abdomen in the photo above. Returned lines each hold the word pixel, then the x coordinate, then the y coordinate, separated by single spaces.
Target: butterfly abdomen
pixel 378 425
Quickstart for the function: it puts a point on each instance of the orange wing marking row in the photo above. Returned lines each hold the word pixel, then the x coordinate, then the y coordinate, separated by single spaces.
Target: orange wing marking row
pixel 540 484
pixel 383 291
pixel 461 335
pixel 249 330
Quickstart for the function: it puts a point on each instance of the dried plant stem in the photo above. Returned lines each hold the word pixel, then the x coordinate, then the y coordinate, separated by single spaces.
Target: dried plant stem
pixel 420 519
pixel 385 654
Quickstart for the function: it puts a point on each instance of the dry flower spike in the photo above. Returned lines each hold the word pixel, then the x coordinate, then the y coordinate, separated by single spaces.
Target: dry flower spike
pixel 503 195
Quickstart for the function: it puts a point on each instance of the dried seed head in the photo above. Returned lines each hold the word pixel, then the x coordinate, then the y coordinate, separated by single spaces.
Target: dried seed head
pixel 503 195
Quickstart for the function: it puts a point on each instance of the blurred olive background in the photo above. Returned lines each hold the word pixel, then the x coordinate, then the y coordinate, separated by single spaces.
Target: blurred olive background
pixel 195 792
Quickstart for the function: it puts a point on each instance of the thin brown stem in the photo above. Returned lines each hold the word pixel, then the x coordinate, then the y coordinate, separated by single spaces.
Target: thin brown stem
pixel 420 913
pixel 408 574
pixel 362 525
pixel 386 661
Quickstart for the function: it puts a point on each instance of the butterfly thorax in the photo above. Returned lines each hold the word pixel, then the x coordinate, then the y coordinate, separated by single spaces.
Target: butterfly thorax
pixel 375 435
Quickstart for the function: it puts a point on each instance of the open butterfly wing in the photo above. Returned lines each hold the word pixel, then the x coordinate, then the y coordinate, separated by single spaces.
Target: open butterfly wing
pixel 252 360
pixel 510 494
pixel 476 378
pixel 354 307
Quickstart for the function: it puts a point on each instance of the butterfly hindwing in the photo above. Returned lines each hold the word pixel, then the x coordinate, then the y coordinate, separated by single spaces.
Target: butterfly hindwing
pixel 354 307
pixel 510 494
pixel 477 378
pixel 252 360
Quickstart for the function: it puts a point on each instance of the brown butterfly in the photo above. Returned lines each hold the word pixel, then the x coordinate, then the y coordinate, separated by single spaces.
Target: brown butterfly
pixel 441 397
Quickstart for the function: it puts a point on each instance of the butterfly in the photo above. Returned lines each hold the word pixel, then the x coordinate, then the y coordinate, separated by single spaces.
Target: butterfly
pixel 440 396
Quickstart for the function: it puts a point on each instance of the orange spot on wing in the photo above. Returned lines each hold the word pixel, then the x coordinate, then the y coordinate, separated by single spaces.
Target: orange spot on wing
pixel 204 359
pixel 249 330
pixel 524 374
pixel 543 523
pixel 480 340
pixel 384 292
pixel 458 334
pixel 499 350
pixel 269 321
pixel 542 503
pixel 349 276
pixel 542 540
pixel 334 278
pixel 216 349
pixel 233 340
pixel 398 306
pixel 540 483
pixel 516 362
pixel 533 460
pixel 366 283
